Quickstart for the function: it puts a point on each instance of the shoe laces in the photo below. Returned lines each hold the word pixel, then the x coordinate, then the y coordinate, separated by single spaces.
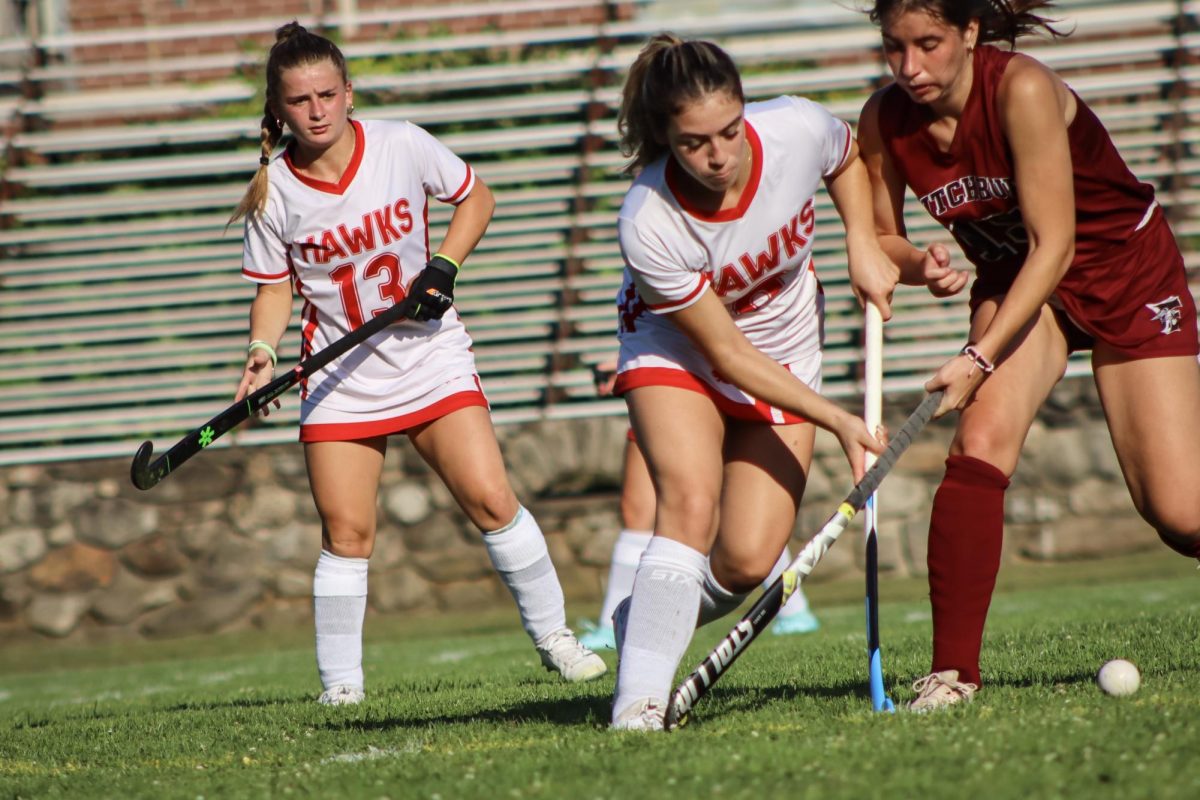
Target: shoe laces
pixel 931 683
pixel 564 646
pixel 652 713
pixel 342 692
pixel 649 714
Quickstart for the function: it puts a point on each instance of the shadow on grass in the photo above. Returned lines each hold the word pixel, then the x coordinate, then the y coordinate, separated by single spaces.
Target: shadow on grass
pixel 239 702
pixel 1014 682
pixel 573 712
pixel 594 710
pixel 110 710
pixel 752 698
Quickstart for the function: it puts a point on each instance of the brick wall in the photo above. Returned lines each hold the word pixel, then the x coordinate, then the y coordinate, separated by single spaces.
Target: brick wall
pixel 88 16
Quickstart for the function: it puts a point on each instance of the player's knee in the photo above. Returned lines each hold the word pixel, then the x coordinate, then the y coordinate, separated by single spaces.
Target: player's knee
pixel 988 445
pixel 1180 530
pixel 491 505
pixel 688 510
pixel 348 538
pixel 637 513
pixel 741 577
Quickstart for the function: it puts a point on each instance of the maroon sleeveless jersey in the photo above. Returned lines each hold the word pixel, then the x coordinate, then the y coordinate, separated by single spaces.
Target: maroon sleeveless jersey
pixel 971 189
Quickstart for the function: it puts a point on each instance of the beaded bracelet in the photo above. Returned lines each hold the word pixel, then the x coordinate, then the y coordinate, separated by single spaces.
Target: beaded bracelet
pixel 978 359
pixel 259 344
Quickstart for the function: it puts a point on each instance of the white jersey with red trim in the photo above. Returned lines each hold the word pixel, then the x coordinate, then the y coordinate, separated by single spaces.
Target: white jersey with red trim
pixel 756 256
pixel 353 248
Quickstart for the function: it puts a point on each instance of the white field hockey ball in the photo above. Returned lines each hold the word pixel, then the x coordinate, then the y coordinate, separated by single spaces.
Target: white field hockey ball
pixel 1119 678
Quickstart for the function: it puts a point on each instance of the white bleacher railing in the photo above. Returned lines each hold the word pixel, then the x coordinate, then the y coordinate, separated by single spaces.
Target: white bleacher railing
pixel 122 316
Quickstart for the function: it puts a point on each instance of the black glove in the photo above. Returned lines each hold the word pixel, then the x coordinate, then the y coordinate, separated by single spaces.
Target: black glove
pixel 601 375
pixel 432 292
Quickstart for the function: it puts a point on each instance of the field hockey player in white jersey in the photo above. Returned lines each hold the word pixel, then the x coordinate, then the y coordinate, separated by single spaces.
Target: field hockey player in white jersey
pixel 720 332
pixel 637 529
pixel 341 215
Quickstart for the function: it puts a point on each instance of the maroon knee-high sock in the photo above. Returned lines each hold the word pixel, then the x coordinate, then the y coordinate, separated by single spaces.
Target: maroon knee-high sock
pixel 966 530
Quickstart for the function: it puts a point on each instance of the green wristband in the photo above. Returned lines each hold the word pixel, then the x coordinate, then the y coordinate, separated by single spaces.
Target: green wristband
pixel 259 344
pixel 445 257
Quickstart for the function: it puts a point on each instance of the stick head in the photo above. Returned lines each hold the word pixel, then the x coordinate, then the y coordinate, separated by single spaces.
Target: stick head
pixel 139 470
pixel 677 713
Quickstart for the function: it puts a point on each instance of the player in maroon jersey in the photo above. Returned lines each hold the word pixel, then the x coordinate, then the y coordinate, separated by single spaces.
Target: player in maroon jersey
pixel 1071 252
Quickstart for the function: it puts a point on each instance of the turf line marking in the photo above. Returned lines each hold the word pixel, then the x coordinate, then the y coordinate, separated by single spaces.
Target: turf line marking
pixel 373 753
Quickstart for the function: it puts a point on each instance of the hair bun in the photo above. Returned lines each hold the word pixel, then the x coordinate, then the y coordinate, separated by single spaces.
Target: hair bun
pixel 293 28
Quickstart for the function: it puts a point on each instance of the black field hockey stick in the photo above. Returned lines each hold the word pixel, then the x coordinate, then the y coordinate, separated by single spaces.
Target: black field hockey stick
pixel 696 685
pixel 146 475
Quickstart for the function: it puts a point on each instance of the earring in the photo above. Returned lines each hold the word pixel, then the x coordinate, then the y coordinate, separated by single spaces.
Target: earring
pixel 350 110
pixel 279 123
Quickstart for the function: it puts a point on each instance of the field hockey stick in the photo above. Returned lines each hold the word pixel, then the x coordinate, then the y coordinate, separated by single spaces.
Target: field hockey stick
pixel 873 415
pixel 146 475
pixel 696 685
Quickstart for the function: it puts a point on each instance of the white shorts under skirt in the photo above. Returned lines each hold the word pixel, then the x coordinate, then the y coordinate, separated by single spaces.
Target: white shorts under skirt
pixel 324 424
pixel 668 358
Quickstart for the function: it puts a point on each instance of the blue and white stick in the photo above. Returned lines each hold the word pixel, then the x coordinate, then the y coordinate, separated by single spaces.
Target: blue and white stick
pixel 873 415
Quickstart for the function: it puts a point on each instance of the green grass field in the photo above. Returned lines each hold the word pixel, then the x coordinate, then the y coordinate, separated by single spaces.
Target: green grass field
pixel 458 707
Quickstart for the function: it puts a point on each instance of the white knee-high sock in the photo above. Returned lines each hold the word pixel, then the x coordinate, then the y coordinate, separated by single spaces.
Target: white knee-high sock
pixel 339 605
pixel 662 618
pixel 627 552
pixel 797 602
pixel 518 552
pixel 715 600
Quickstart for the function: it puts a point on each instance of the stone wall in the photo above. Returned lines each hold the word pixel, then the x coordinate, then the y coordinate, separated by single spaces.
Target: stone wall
pixel 230 540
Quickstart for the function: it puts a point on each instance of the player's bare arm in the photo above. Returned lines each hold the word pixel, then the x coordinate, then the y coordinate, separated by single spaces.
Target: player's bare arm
pixel 887 194
pixel 709 326
pixel 433 288
pixel 1033 119
pixel 873 275
pixel 930 267
pixel 469 221
pixel 270 313
pixel 1032 103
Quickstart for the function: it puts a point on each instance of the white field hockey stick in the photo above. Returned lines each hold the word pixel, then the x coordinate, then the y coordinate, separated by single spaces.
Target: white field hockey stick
pixel 696 685
pixel 873 416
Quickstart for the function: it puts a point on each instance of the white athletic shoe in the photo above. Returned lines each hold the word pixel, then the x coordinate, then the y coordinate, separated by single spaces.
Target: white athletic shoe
pixel 341 695
pixel 643 715
pixel 941 689
pixel 561 652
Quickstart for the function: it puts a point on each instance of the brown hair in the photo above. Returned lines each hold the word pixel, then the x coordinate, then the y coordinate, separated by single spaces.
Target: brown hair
pixel 294 46
pixel 667 73
pixel 999 20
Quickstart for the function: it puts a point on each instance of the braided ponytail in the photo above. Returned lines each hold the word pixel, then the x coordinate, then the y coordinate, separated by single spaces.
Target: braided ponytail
pixel 255 199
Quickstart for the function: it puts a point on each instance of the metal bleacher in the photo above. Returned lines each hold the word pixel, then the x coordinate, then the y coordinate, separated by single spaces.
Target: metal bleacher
pixel 122 314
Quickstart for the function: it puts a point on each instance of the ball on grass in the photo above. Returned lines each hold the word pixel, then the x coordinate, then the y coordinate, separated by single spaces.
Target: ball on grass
pixel 1119 678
